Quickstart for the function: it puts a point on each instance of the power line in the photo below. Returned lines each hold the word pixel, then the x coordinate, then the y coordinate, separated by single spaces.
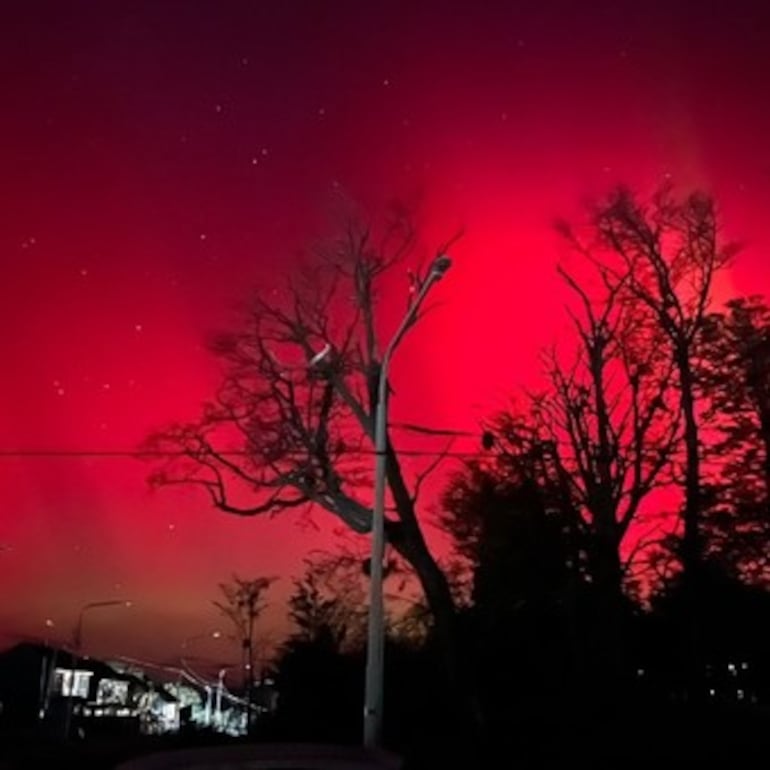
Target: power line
pixel 148 454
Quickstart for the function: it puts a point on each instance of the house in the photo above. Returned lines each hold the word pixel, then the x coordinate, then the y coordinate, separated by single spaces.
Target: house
pixel 50 688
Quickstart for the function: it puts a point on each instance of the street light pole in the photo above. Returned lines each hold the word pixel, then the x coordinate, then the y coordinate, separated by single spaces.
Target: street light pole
pixel 375 651
pixel 183 664
pixel 220 689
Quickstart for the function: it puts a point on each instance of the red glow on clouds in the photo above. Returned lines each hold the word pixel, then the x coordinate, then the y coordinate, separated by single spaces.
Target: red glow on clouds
pixel 159 163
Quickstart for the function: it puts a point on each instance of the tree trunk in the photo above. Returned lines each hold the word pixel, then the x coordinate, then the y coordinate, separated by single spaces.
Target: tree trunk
pixel 691 538
pixel 608 666
pixel 691 646
pixel 407 538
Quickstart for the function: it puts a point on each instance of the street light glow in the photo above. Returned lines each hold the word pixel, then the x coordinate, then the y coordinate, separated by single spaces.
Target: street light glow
pixel 216 634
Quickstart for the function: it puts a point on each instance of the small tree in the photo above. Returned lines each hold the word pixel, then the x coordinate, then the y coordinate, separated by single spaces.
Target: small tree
pixel 328 603
pixel 242 604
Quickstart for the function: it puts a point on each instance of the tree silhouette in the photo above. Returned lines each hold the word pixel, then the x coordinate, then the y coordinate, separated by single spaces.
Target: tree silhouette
pixel 328 603
pixel 609 421
pixel 734 374
pixel 243 602
pixel 663 255
pixel 540 625
pixel 292 425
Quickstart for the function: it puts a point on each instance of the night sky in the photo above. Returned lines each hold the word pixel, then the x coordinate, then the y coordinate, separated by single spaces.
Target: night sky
pixel 159 159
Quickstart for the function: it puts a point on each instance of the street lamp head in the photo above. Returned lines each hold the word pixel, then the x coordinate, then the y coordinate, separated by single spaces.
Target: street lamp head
pixel 441 264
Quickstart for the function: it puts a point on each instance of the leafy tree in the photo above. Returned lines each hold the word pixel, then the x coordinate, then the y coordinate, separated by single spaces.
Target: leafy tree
pixel 535 635
pixel 328 604
pixel 735 377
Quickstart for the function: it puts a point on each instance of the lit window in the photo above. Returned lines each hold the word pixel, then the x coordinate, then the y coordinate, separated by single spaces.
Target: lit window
pixel 114 691
pixel 71 683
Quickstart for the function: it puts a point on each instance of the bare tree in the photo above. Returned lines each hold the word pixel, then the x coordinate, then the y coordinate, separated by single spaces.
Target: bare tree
pixel 242 604
pixel 292 426
pixel 570 468
pixel 609 420
pixel 663 255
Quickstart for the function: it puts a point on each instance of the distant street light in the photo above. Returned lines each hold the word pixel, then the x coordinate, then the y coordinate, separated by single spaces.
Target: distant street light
pixel 375 652
pixel 47 671
pixel 190 639
pixel 77 645
pixel 78 635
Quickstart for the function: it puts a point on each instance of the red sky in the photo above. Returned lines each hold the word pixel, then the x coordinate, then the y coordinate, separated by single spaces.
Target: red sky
pixel 158 159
